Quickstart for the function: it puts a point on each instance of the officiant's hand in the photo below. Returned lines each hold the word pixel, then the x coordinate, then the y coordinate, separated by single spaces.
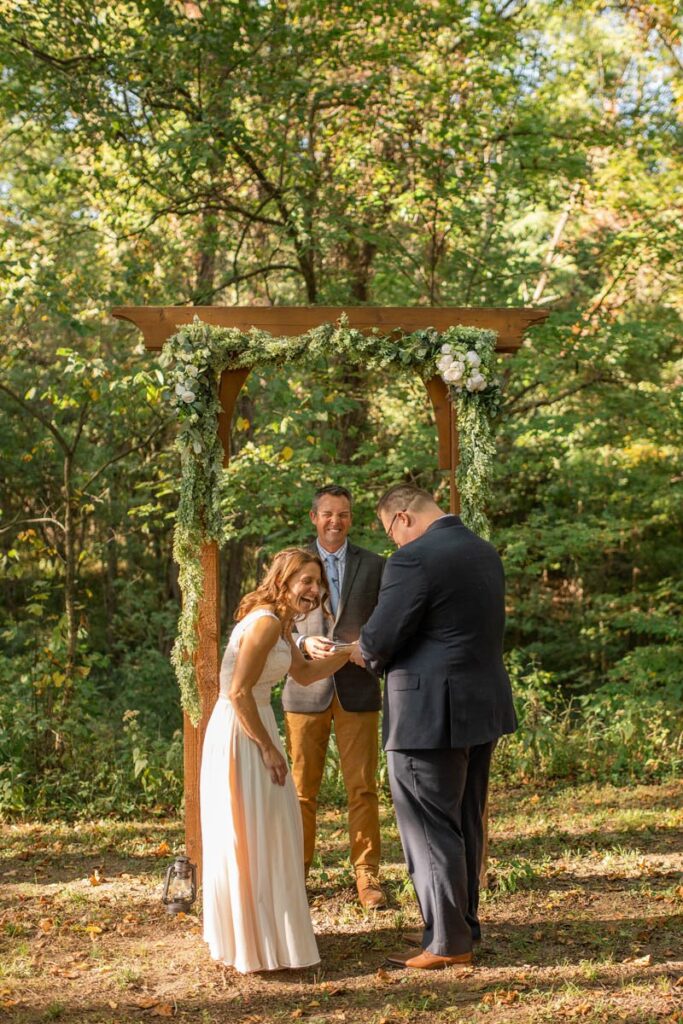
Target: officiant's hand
pixel 275 764
pixel 317 646
pixel 356 657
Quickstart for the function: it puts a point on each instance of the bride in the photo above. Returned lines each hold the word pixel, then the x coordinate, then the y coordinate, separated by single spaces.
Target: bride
pixel 256 913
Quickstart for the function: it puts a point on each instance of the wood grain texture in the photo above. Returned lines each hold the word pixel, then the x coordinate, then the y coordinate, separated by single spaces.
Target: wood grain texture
pixel 230 386
pixel 158 323
pixel 207 666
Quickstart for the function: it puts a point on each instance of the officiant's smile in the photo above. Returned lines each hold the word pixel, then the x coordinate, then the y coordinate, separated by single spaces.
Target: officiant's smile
pixel 332 519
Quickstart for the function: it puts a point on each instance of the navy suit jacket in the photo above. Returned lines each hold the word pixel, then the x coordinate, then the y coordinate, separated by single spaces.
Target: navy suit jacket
pixel 437 633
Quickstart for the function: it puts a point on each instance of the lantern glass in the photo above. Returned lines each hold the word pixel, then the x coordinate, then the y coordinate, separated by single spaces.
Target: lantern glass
pixel 180 887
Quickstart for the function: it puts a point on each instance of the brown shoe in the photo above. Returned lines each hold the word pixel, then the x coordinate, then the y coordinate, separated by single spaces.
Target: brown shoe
pixel 425 961
pixel 370 892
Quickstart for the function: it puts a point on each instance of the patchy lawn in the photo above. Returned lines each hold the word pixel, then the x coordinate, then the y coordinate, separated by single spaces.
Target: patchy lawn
pixel 585 923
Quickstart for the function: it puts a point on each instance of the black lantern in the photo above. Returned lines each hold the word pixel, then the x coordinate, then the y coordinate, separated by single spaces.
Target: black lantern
pixel 180 886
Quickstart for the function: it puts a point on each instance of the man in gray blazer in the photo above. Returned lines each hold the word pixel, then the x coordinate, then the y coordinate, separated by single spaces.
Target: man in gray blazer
pixel 437 632
pixel 351 698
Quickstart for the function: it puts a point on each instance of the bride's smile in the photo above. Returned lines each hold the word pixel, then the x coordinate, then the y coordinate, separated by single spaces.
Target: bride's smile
pixel 304 588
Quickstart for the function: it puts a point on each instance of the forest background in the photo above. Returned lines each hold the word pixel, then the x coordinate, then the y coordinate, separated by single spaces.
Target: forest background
pixel 390 153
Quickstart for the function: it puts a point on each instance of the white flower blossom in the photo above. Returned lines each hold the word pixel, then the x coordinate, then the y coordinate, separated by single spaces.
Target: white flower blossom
pixel 476 382
pixel 179 388
pixel 188 396
pixel 192 370
pixel 444 363
pixel 473 359
pixel 197 446
pixel 447 349
pixel 454 373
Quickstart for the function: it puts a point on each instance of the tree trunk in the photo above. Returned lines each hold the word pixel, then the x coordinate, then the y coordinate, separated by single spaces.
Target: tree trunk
pixel 69 569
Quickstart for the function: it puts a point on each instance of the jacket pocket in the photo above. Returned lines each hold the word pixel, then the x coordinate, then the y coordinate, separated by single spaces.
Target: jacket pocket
pixel 399 680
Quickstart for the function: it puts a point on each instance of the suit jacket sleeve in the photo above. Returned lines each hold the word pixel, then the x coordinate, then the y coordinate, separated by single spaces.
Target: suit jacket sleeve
pixel 400 606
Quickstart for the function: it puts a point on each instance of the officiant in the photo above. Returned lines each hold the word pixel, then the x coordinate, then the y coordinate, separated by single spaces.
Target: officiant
pixel 350 699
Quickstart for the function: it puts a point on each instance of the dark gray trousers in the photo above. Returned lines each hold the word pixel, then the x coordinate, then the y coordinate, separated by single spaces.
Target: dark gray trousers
pixel 439 797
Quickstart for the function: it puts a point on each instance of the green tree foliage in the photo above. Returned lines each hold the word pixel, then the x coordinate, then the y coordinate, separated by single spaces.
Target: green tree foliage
pixel 300 152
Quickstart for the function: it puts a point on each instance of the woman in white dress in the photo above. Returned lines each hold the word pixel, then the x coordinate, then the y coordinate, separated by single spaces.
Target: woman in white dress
pixel 256 915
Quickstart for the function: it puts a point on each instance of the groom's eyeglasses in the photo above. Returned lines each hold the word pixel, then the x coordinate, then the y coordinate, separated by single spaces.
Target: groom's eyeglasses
pixel 390 531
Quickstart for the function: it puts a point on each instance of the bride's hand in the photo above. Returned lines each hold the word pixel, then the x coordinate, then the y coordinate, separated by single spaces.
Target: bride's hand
pixel 275 764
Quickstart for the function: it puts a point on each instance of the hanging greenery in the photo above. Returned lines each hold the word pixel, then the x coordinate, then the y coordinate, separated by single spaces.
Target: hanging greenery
pixel 194 360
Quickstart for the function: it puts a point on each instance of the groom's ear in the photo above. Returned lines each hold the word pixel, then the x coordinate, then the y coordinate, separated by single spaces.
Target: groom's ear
pixel 312 516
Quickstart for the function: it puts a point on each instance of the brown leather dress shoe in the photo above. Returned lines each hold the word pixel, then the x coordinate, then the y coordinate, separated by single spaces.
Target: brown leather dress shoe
pixel 370 892
pixel 425 961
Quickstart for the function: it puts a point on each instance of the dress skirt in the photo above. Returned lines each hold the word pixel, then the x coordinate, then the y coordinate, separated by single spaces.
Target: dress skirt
pixel 256 915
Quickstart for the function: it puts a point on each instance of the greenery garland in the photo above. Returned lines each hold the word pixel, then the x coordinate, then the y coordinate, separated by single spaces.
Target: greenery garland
pixel 195 358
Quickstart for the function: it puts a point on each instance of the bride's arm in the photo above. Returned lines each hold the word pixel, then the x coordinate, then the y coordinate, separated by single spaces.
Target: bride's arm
pixel 257 641
pixel 305 672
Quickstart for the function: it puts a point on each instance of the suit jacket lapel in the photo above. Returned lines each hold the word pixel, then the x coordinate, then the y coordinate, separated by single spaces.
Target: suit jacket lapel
pixel 350 570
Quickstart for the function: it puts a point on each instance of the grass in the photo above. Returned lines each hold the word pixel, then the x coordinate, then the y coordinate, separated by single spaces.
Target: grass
pixel 584 923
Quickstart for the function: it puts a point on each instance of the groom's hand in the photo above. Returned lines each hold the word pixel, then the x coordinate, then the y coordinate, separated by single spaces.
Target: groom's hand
pixel 356 657
pixel 317 646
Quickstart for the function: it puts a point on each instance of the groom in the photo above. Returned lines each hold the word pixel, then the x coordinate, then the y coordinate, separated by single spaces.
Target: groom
pixel 437 632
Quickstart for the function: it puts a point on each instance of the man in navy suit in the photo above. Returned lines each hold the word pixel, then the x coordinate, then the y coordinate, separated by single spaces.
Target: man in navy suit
pixel 437 633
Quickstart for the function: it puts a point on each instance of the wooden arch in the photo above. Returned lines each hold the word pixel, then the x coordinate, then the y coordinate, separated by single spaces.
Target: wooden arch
pixel 159 323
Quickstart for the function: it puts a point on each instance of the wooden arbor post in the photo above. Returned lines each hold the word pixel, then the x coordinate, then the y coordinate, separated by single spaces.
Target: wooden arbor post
pixel 159 323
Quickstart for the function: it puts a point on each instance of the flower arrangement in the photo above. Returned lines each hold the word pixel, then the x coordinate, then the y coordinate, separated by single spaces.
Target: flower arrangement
pixel 193 361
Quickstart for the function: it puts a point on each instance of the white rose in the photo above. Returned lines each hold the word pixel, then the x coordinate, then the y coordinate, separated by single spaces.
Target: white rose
pixel 447 349
pixel 476 382
pixel 473 359
pixel 179 388
pixel 444 363
pixel 197 446
pixel 454 373
pixel 192 370
pixel 188 396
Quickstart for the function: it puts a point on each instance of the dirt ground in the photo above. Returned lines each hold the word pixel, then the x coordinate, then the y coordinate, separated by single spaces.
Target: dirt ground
pixel 584 923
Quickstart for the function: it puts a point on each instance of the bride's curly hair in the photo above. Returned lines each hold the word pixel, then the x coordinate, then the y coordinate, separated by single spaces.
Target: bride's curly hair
pixel 272 591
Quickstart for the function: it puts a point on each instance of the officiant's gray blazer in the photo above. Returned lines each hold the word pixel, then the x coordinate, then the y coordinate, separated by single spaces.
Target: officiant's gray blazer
pixel 358 689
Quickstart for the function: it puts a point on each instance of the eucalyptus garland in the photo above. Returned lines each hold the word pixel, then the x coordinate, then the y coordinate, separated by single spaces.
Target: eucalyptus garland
pixel 195 358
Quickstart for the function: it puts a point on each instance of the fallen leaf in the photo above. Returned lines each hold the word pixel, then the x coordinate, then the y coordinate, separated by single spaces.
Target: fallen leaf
pixel 46 924
pixel 382 975
pixel 162 850
pixel 296 1014
pixel 96 878
pixel 163 1010
pixel 639 961
pixel 580 1010
pixel 505 996
pixel 113 1005
pixel 147 1002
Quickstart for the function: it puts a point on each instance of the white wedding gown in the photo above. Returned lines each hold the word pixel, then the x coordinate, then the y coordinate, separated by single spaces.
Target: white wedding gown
pixel 256 915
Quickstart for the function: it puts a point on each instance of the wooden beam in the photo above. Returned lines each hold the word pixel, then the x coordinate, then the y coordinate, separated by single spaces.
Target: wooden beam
pixel 207 666
pixel 158 323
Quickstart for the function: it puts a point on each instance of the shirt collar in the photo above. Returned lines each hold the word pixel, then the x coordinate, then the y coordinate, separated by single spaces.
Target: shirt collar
pixel 339 554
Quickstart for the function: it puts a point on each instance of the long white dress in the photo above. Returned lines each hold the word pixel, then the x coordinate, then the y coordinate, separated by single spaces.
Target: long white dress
pixel 256 915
